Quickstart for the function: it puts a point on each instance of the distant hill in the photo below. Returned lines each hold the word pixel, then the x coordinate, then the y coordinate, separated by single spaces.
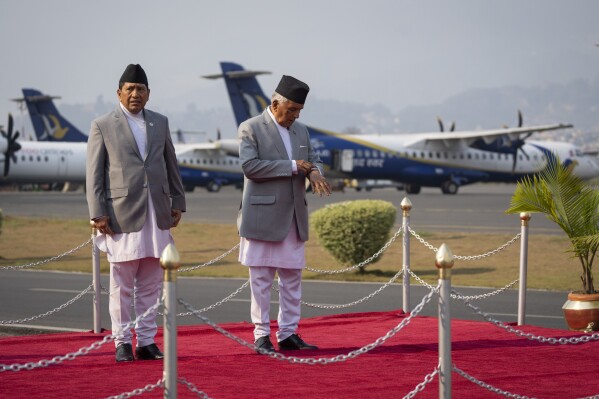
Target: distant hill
pixel 576 102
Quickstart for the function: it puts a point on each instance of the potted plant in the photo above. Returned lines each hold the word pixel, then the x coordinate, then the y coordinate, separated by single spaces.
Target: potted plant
pixel 573 205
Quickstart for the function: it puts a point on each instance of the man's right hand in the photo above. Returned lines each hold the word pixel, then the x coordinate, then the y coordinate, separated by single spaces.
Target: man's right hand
pixel 102 225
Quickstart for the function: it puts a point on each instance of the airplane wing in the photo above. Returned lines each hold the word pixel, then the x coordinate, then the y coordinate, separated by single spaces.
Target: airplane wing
pixel 507 135
pixel 226 146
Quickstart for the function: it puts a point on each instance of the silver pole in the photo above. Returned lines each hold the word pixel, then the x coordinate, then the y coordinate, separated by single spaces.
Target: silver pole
pixel 406 206
pixel 444 262
pixel 525 218
pixel 96 283
pixel 170 262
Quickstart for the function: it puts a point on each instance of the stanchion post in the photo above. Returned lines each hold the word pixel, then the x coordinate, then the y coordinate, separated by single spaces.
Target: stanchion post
pixel 524 218
pixel 444 262
pixel 96 281
pixel 406 206
pixel 170 262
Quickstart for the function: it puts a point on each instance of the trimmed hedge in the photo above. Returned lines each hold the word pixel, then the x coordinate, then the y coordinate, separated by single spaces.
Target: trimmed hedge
pixel 352 231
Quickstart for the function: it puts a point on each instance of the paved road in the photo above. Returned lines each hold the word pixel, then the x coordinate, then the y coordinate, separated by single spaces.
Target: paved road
pixel 29 293
pixel 477 208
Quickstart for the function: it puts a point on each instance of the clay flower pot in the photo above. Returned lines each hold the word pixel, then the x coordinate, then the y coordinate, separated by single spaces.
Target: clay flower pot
pixel 581 312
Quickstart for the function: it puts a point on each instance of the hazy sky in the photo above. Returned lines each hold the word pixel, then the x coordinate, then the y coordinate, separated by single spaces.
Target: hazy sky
pixel 393 52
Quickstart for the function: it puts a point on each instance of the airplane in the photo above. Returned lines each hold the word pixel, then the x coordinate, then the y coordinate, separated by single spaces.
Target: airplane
pixel 446 159
pixel 59 154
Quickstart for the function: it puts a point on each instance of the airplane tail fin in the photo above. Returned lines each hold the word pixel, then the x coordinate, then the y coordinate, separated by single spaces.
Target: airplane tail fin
pixel 245 93
pixel 48 123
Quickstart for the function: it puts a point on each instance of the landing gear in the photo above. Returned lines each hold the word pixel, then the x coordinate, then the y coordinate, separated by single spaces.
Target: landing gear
pixel 412 189
pixel 449 187
pixel 213 187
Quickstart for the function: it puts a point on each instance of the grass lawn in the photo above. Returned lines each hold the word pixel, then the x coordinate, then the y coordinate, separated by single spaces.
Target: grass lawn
pixel 25 240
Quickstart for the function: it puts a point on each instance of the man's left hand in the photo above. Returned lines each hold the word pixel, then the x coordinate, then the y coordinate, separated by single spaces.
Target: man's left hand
pixel 319 184
pixel 176 215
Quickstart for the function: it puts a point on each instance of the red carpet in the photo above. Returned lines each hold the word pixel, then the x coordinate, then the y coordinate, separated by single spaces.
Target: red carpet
pixel 224 369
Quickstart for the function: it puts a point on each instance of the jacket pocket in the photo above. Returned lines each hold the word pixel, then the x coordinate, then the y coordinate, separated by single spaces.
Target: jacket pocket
pixel 117 192
pixel 262 199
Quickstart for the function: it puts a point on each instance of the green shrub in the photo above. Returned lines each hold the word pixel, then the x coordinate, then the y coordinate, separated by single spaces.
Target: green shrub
pixel 352 231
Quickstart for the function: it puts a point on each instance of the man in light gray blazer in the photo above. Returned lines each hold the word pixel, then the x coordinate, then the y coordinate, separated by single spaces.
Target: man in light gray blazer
pixel 277 158
pixel 135 195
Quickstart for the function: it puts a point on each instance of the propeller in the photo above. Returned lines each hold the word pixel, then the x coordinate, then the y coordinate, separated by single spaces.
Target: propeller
pixel 441 127
pixel 519 144
pixel 12 145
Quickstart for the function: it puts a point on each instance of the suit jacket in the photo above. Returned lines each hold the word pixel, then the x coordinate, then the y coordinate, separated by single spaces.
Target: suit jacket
pixel 271 193
pixel 119 178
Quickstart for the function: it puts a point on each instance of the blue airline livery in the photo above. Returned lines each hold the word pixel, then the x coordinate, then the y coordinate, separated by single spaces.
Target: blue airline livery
pixel 446 160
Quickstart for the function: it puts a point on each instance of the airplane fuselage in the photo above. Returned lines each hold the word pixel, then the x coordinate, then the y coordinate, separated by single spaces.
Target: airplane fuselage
pixel 52 162
pixel 434 163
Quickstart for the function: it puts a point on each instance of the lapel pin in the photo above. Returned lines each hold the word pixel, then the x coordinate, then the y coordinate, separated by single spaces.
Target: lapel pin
pixel 151 124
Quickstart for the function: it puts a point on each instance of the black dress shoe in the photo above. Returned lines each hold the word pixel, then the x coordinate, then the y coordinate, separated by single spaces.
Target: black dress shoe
pixel 148 352
pixel 294 342
pixel 264 344
pixel 124 353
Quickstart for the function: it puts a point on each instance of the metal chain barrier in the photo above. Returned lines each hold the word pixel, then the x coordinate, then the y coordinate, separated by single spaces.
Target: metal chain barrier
pixel 82 351
pixel 20 321
pixel 465 297
pixel 420 387
pixel 192 388
pixel 139 391
pixel 471 257
pixel 488 386
pixel 347 305
pixel 312 361
pixel 207 308
pixel 187 269
pixel 41 262
pixel 532 337
pixel 364 262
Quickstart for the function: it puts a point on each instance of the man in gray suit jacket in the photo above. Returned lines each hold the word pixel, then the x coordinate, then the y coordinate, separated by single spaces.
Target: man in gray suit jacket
pixel 135 195
pixel 277 158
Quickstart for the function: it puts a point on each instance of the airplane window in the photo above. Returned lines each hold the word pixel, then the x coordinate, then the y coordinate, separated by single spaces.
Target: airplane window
pixel 438 155
pixel 453 156
pixel 445 155
pixel 484 156
pixel 204 161
pixel 30 158
pixel 430 154
pixel 475 156
pixel 23 158
pixel 46 158
pixel 211 161
pixel 461 155
pixel 414 154
pixel 383 154
pixel 359 153
pixel 491 156
pixel 61 159
pixel 520 158
pixel 469 156
pixel 422 155
pixel 39 158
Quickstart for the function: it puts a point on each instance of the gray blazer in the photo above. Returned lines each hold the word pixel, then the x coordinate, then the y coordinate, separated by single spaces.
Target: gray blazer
pixel 119 178
pixel 271 193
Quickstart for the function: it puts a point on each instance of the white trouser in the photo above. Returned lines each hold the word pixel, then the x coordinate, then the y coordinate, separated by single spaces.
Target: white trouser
pixel 290 293
pixel 144 278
